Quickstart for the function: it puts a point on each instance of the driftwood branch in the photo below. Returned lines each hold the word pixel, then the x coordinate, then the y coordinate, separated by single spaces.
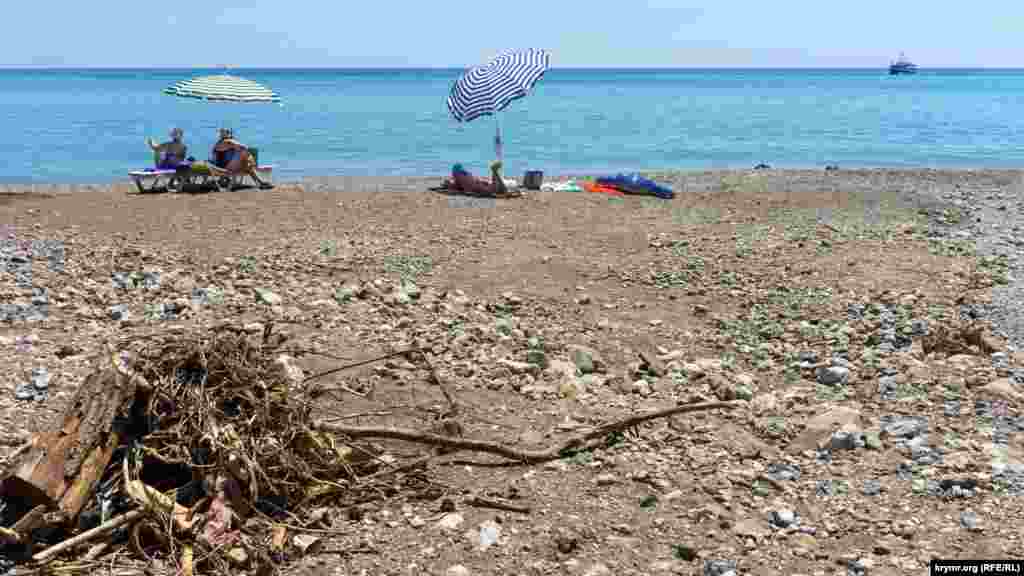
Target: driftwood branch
pixel 434 378
pixel 453 407
pixel 481 502
pixel 89 535
pixel 582 441
pixel 358 364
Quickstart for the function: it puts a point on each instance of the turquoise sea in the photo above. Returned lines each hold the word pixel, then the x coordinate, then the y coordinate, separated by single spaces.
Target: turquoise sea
pixel 89 126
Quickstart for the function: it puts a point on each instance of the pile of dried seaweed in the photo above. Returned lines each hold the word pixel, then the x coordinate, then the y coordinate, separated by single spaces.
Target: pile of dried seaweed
pixel 219 457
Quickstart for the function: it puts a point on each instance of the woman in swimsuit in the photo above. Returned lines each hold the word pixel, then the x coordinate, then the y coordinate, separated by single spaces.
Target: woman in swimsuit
pixel 169 154
pixel 466 182
pixel 234 157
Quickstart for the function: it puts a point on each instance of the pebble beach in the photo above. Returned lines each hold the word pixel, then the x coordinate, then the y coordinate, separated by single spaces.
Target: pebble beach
pixel 869 324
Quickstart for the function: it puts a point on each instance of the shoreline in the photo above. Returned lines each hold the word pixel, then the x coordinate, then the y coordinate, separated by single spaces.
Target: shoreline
pixel 664 173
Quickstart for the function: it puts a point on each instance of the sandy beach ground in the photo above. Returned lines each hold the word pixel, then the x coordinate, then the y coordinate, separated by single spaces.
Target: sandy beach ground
pixel 848 312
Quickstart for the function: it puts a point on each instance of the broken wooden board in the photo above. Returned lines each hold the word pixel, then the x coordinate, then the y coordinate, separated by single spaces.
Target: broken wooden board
pixel 63 464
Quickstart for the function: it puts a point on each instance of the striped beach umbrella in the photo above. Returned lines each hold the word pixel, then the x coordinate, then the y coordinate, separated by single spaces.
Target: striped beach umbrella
pixel 488 89
pixel 223 88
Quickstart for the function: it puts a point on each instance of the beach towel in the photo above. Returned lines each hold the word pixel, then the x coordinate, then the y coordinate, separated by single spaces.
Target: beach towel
pixel 602 189
pixel 636 184
pixel 569 186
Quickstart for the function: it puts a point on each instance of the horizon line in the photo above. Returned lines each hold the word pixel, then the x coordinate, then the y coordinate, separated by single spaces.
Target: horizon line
pixel 592 67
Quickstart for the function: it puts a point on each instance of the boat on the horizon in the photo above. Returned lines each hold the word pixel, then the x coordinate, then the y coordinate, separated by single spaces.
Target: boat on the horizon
pixel 902 66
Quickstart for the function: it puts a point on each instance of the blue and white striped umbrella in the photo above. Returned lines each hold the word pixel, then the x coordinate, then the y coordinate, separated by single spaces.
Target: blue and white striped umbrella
pixel 223 88
pixel 488 89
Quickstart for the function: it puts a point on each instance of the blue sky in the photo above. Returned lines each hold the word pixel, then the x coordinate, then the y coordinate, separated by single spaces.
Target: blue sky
pixel 459 33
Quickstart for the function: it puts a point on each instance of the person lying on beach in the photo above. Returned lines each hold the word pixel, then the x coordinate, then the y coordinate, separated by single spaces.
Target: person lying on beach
pixel 463 181
pixel 168 155
pixel 234 157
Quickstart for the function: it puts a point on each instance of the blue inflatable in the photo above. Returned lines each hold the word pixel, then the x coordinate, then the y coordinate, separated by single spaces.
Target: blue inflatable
pixel 636 184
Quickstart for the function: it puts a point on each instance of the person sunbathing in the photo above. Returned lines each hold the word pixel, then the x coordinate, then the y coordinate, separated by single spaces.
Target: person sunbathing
pixel 234 157
pixel 463 181
pixel 168 155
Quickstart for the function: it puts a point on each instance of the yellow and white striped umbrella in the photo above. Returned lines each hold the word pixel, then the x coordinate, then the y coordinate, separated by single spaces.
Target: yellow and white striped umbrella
pixel 223 88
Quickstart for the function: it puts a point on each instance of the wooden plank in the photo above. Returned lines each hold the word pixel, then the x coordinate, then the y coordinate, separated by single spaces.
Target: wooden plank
pixel 61 466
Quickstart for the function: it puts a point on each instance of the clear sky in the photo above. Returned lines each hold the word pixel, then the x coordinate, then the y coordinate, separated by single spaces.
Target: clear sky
pixel 459 33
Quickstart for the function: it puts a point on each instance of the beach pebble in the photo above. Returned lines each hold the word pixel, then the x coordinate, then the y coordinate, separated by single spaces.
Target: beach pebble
pixel 833 375
pixel 871 488
pixel 118 312
pixel 720 568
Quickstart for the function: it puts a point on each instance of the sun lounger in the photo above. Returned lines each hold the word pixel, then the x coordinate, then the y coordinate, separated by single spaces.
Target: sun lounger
pixel 166 180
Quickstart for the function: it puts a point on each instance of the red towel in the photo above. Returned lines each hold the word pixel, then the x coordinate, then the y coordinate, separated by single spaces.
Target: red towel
pixel 594 187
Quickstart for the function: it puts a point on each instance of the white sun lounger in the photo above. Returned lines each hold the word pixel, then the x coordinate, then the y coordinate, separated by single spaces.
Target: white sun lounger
pixel 156 180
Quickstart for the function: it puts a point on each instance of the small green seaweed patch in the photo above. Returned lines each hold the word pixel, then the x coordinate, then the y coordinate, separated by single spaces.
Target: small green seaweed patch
pixel 950 216
pixel 329 248
pixel 872 221
pixel 775 427
pixel 670 278
pixel 832 392
pixel 689 268
pixel 759 488
pixel 952 441
pixel 748 238
pixel 762 323
pixel 951 391
pixel 247 264
pixel 912 391
pixel 996 267
pixel 408 267
pixel 951 247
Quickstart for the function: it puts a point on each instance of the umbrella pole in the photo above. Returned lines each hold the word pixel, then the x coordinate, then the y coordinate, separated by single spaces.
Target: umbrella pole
pixel 497 138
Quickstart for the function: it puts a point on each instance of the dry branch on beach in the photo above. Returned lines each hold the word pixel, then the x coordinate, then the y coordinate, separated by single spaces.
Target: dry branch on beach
pixel 202 447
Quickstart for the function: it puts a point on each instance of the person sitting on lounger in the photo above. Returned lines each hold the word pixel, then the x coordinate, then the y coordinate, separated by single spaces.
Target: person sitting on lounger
pixel 234 157
pixel 169 155
pixel 466 182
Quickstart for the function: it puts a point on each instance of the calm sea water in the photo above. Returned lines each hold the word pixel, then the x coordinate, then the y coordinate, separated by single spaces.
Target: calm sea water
pixel 89 126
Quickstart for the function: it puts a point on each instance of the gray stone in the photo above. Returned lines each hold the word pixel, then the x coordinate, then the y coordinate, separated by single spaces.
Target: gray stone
pixel 904 427
pixel 840 361
pixel 150 280
pixel 919 327
pixel 118 312
pixel 784 518
pixel 846 440
pixel 40 378
pixel 833 375
pixel 809 357
pixel 719 568
pixel 888 389
pixel 25 391
pixel 824 488
pixel 969 520
pixel 872 488
pixel 781 472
